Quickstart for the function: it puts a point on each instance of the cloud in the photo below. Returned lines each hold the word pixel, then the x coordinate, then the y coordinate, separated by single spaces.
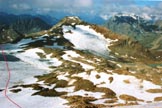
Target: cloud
pixel 21 6
pixel 83 3
pixel 121 2
pixel 61 4
pixel 104 7
pixel 48 3
pixel 131 6
pixel 69 6
pixel 160 5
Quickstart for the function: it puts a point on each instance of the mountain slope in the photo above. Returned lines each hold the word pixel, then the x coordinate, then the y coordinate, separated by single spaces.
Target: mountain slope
pixel 27 25
pixel 9 35
pixel 85 66
pixel 19 24
pixel 142 30
pixel 77 31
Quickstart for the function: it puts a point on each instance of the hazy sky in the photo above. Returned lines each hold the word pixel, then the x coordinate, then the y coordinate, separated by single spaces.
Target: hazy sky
pixel 81 6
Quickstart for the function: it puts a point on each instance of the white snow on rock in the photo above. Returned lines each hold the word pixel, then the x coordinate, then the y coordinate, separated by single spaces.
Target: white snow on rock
pixel 85 38
pixel 63 76
pixel 9 47
pixel 128 15
pixel 70 91
pixel 151 105
pixel 92 77
pixel 30 56
pixel 53 61
pixel 146 16
pixel 70 54
pixel 73 17
pixel 21 73
pixel 86 66
pixel 66 89
pixel 33 53
pixel 136 87
pixel 25 100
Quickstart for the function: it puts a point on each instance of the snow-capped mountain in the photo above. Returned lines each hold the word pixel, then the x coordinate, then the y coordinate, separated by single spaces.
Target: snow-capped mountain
pixel 136 21
pixel 142 28
pixel 82 65
pixel 144 16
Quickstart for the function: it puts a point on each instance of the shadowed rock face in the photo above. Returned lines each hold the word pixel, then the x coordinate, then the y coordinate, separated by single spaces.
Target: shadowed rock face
pixel 29 25
pixel 15 27
pixel 159 23
pixel 9 35
pixel 9 58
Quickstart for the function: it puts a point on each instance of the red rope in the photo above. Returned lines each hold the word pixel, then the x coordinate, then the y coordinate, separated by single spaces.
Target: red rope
pixel 8 80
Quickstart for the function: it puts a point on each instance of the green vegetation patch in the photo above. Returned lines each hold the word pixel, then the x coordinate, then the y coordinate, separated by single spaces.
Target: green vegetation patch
pixel 158 99
pixel 61 84
pixel 82 102
pixel 15 90
pixel 50 78
pixel 154 90
pixel 34 86
pixel 111 101
pixel 49 93
pixel 108 92
pixel 129 98
pixel 70 67
pixel 41 55
pixel 56 53
pixel 82 84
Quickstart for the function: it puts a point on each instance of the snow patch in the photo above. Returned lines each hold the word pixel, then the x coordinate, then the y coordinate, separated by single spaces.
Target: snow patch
pixel 128 15
pixel 63 77
pixel 25 100
pixel 85 38
pixel 67 89
pixel 30 56
pixel 136 87
pixel 21 73
pixel 70 54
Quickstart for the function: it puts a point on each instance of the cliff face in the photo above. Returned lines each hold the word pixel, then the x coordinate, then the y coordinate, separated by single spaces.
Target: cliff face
pixel 9 35
pixel 15 27
pixel 29 25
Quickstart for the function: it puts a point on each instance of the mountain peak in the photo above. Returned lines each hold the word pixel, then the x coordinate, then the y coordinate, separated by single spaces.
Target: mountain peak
pixel 132 15
pixel 71 20
pixel 72 17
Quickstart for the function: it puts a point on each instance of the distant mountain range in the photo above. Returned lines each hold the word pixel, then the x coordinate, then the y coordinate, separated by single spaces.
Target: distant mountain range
pixel 143 29
pixel 14 27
